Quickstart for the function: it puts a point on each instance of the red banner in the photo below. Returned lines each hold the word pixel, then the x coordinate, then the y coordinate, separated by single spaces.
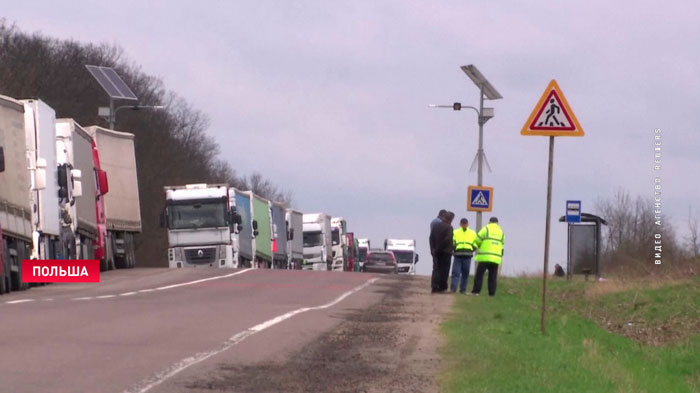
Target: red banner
pixel 61 270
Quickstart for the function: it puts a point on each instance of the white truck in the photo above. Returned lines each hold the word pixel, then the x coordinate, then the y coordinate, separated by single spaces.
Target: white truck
pixel 200 222
pixel 40 132
pixel 16 184
pixel 405 252
pixel 78 194
pixel 340 228
pixel 362 251
pixel 318 253
pixel 295 238
pixel 121 204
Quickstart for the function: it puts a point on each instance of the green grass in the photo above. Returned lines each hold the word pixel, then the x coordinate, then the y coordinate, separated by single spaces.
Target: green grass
pixel 495 344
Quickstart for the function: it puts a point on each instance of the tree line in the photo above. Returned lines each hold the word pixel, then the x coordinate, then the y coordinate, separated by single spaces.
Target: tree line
pixel 172 145
pixel 629 238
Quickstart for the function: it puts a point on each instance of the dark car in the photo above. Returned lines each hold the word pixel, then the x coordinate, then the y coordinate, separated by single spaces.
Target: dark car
pixel 381 262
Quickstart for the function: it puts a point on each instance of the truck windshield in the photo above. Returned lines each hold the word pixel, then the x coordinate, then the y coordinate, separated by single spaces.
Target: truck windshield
pixel 362 254
pixel 336 236
pixel 313 239
pixel 403 256
pixel 197 215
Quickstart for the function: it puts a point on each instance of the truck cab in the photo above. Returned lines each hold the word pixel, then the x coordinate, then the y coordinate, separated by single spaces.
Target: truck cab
pixel 339 241
pixel 405 252
pixel 362 251
pixel 199 222
pixel 317 242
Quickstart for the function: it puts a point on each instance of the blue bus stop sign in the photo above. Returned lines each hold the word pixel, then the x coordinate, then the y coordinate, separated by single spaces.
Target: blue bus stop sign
pixel 573 211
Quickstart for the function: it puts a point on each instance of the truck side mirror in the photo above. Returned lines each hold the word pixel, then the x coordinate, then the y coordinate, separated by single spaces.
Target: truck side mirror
pixel 416 258
pixel 255 225
pixel 77 174
pixel 102 179
pixel 2 159
pixel 291 234
pixel 163 219
pixel 40 174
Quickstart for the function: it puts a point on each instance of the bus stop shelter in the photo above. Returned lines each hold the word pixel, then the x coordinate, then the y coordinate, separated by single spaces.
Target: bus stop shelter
pixel 584 245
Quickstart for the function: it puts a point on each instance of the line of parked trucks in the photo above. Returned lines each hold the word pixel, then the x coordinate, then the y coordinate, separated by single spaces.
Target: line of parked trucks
pixel 215 225
pixel 55 202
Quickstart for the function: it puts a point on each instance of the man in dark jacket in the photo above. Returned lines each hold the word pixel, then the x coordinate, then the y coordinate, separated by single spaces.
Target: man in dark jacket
pixel 441 248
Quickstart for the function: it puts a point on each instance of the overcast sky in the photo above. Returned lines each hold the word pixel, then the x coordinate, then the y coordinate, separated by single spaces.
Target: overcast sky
pixel 329 100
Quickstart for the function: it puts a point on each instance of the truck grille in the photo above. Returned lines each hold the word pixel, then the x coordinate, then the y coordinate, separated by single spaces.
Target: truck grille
pixel 200 256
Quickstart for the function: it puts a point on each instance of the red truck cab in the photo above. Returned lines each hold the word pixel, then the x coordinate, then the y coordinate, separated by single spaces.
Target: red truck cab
pixel 102 189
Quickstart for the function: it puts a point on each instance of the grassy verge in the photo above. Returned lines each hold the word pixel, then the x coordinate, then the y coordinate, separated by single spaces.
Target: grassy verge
pixel 495 345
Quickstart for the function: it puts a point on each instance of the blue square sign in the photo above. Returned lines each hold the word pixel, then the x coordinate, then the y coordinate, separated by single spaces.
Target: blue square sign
pixel 479 199
pixel 573 211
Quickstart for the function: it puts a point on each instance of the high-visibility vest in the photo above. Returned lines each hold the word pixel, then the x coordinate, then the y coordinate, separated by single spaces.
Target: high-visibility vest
pixel 464 240
pixel 490 240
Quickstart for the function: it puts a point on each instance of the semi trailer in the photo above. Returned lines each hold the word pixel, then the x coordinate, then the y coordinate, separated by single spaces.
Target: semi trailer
pixel 16 229
pixel 295 238
pixel 242 235
pixel 262 230
pixel 318 252
pixel 122 210
pixel 279 235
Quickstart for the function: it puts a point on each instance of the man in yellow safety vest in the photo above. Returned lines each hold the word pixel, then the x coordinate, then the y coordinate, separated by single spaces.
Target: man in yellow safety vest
pixel 490 241
pixel 463 238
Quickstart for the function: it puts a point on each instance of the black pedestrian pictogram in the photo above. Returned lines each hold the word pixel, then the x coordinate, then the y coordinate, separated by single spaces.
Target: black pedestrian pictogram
pixel 551 114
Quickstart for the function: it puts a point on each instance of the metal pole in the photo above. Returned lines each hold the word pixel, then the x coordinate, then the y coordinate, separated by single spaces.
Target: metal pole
pixel 480 152
pixel 112 115
pixel 543 325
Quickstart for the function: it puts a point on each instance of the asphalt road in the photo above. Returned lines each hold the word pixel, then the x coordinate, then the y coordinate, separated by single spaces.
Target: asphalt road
pixel 144 330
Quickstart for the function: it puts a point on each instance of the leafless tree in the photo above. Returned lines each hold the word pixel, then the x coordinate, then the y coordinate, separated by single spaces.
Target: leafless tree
pixel 693 237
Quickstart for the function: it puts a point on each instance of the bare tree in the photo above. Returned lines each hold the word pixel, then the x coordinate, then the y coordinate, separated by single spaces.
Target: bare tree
pixel 693 237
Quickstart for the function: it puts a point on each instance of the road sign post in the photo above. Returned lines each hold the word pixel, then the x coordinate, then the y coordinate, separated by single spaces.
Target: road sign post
pixel 552 116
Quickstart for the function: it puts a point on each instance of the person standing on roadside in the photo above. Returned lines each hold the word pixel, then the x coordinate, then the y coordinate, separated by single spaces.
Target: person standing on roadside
pixel 490 241
pixel 441 247
pixel 464 238
pixel 437 219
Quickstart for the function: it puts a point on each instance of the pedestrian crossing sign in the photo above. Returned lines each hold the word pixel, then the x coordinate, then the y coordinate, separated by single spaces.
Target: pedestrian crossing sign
pixel 552 116
pixel 479 199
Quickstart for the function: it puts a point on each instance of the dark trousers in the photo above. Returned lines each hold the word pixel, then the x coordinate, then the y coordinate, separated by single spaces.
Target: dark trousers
pixel 441 271
pixel 481 268
pixel 460 273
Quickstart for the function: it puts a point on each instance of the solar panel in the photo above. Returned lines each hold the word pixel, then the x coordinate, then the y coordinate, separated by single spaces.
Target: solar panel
pixel 111 82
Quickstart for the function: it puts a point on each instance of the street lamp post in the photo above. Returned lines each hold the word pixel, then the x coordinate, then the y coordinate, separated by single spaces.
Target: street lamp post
pixel 486 90
pixel 109 113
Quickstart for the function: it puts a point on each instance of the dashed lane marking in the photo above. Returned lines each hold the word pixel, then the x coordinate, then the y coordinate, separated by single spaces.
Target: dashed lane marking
pixel 174 369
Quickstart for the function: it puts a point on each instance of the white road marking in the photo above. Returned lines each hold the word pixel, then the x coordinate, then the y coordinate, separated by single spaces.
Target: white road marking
pixel 48 299
pixel 19 301
pixel 139 291
pixel 163 375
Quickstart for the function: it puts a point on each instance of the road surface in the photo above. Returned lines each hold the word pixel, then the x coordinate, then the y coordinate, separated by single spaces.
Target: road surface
pixel 201 330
